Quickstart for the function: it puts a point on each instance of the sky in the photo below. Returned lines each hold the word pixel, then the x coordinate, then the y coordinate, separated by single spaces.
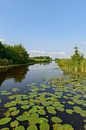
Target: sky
pixel 44 27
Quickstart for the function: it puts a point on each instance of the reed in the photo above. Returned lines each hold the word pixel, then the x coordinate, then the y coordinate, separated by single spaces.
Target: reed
pixel 76 65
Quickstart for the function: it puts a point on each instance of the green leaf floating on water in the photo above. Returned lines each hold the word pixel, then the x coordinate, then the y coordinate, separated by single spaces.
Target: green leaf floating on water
pixel 12 109
pixel 67 127
pixel 15 89
pixel 4 129
pixel 62 127
pixel 56 119
pixel 14 123
pixel 19 128
pixel 56 126
pixel 51 110
pixel 4 121
pixel 10 104
pixel 25 107
pixel 14 113
pixel 69 111
pixel 41 120
pixel 44 126
pixel 22 118
pixel 5 93
pixel 71 103
pixel 32 127
pixel 42 112
pixel 33 119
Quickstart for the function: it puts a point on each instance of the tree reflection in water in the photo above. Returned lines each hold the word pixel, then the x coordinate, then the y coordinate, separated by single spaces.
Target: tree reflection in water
pixel 18 73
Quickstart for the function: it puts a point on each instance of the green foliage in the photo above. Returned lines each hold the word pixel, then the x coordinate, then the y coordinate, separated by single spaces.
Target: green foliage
pixel 42 59
pixel 13 54
pixel 77 57
pixel 76 65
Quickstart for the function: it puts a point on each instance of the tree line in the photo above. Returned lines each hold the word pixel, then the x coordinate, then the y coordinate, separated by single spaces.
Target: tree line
pixel 76 65
pixel 13 54
pixel 17 54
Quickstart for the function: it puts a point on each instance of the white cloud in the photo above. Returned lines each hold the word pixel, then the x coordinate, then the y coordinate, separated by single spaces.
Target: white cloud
pixel 45 53
pixel 36 51
pixel 2 40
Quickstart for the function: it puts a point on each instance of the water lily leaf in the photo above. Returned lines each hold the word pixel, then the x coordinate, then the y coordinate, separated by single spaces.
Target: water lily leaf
pixel 10 104
pixel 56 120
pixel 5 93
pixel 5 129
pixel 4 121
pixel 41 120
pixel 14 113
pixel 25 107
pixel 20 128
pixel 32 127
pixel 69 111
pixel 71 103
pixel 33 118
pixel 42 112
pixel 22 118
pixel 67 127
pixel 7 114
pixel 51 110
pixel 15 89
pixel 14 123
pixel 44 126
pixel 56 126
pixel 12 109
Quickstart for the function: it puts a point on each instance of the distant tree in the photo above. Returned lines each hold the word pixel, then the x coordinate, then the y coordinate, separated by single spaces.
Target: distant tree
pixel 10 54
pixel 21 55
pixel 2 51
pixel 77 57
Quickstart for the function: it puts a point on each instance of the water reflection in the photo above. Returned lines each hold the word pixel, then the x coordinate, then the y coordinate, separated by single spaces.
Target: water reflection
pixel 18 73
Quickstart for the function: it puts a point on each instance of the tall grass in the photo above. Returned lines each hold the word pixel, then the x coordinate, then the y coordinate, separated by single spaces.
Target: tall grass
pixel 76 65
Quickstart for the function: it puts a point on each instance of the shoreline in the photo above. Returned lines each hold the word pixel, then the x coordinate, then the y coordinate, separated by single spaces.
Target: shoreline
pixel 10 66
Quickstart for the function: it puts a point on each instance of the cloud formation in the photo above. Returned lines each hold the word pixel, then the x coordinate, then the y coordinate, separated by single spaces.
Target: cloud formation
pixel 45 53
pixel 2 40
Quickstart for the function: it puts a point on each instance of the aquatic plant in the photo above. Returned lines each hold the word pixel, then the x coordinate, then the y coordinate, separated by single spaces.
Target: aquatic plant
pixel 14 123
pixel 5 120
pixel 32 127
pixel 19 128
pixel 56 120
pixel 44 126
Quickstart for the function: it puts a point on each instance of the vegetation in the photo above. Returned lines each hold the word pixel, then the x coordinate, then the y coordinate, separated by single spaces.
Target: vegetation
pixel 42 59
pixel 76 65
pixel 17 54
pixel 13 54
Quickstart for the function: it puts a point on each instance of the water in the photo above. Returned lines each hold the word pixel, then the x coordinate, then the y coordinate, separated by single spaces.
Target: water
pixel 36 75
pixel 22 75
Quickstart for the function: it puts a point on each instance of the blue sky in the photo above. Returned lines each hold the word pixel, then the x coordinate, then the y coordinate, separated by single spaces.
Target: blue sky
pixel 47 27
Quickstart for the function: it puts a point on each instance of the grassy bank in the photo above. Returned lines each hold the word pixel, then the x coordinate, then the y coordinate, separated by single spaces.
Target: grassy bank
pixel 76 65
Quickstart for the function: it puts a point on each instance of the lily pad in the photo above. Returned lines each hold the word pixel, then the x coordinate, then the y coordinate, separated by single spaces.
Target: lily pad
pixel 25 107
pixel 14 113
pixel 22 118
pixel 32 127
pixel 42 112
pixel 41 120
pixel 44 126
pixel 69 111
pixel 56 120
pixel 4 121
pixel 5 129
pixel 20 128
pixel 14 123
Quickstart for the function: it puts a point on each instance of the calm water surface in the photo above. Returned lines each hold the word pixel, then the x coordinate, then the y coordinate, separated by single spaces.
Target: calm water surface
pixel 19 77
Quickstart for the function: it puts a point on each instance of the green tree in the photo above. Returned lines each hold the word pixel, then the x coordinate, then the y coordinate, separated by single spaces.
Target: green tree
pixel 77 57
